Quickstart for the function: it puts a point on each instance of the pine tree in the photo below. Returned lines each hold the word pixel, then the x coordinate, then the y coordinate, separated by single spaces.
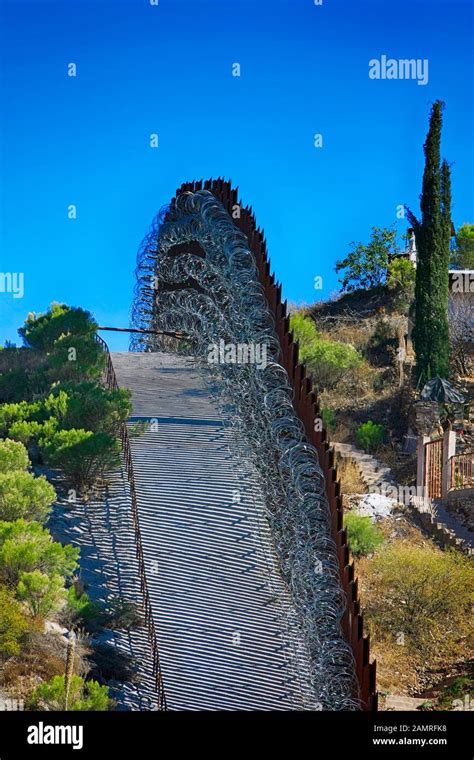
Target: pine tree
pixel 432 234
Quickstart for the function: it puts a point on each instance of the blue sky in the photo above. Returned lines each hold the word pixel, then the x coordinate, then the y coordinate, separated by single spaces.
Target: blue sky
pixel 167 69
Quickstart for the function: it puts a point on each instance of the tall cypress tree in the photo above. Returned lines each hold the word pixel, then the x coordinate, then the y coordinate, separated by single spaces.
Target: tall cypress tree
pixel 432 235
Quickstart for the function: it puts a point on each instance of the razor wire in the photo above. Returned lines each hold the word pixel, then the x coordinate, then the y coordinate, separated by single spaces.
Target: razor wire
pixel 217 299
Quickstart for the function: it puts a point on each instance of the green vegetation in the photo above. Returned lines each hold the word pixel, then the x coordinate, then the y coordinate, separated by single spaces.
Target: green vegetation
pixel 423 593
pixel 327 360
pixel 366 265
pixel 28 546
pixel 83 695
pixel 370 435
pixel 401 279
pixel 13 624
pixel 433 235
pixel 462 257
pixel 363 536
pixel 54 411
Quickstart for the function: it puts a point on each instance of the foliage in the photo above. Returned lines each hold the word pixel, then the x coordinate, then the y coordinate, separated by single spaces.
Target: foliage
pixel 123 614
pixel 13 456
pixel 80 609
pixel 41 593
pixel 83 695
pixel 363 536
pixel 369 435
pixel 67 335
pixel 401 279
pixel 366 265
pixel 13 624
pixel 82 455
pixel 26 547
pixel 327 360
pixel 93 407
pixel 43 331
pixel 433 235
pixel 423 593
pixel 462 257
pixel 329 418
pixel 23 495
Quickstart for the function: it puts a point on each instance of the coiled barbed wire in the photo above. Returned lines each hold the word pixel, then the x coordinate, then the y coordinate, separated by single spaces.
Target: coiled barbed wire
pixel 213 294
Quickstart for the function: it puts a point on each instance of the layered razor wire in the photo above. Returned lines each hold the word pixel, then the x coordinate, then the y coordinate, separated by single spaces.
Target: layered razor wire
pixel 215 298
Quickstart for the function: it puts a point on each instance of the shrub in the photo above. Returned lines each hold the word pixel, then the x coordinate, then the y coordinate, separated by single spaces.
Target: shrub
pixel 123 614
pixel 26 547
pixel 92 407
pixel 13 456
pixel 401 278
pixel 369 435
pixel 364 537
pixel 83 456
pixel 83 695
pixel 13 624
pixel 23 495
pixel 327 360
pixel 18 412
pixel 41 593
pixel 81 610
pixel 329 418
pixel 422 592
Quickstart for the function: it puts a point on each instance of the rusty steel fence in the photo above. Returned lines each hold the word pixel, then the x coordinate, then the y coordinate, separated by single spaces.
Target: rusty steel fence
pixel 433 474
pixel 111 383
pixel 308 409
pixel 461 471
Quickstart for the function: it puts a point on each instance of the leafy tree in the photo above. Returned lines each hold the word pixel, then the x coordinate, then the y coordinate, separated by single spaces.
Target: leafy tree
pixel 364 537
pixel 13 456
pixel 462 257
pixel 17 412
pixel 433 235
pixel 83 456
pixel 83 695
pixel 26 547
pixel 13 624
pixel 366 265
pixel 23 495
pixel 41 593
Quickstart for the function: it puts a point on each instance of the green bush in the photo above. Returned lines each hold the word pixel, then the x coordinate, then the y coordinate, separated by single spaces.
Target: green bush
pixel 42 594
pixel 18 412
pixel 26 547
pixel 327 360
pixel 83 695
pixel 83 456
pixel 13 624
pixel 369 435
pixel 13 456
pixel 92 407
pixel 422 592
pixel 363 536
pixel 81 610
pixel 329 418
pixel 23 495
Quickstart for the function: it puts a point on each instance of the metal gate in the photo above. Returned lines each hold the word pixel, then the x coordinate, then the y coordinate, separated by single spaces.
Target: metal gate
pixel 433 474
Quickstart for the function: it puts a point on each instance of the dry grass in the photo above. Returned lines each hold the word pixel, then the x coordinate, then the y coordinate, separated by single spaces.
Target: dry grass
pixel 351 480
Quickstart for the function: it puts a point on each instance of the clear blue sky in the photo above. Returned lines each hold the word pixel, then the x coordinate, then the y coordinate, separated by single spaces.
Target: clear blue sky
pixel 143 69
